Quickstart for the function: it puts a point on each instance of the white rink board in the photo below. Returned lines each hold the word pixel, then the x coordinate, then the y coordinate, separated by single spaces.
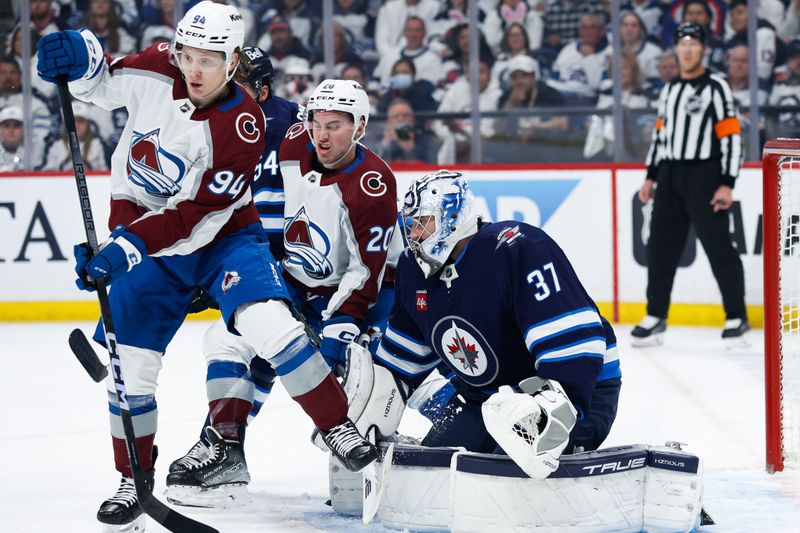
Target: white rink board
pixel 574 204
pixel 694 283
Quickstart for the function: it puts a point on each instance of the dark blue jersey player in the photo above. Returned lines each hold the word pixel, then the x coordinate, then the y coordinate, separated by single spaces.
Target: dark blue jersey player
pixel 497 303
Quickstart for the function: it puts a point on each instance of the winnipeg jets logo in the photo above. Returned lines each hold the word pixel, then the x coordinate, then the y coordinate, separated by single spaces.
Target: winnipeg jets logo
pixel 307 245
pixel 507 236
pixel 465 350
pixel 151 167
pixel 231 279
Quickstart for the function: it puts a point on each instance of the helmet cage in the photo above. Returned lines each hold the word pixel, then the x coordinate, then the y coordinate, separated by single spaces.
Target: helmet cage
pixel 447 198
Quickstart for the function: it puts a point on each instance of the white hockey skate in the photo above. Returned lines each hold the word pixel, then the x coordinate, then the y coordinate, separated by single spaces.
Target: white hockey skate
pixel 649 332
pixel 219 481
pixel 734 334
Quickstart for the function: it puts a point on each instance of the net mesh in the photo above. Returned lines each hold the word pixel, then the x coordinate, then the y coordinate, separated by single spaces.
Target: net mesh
pixel 789 265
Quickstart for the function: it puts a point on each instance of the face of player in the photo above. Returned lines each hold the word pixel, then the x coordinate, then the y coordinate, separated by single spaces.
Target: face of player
pixel 204 71
pixel 421 228
pixel 690 56
pixel 332 133
pixel 12 133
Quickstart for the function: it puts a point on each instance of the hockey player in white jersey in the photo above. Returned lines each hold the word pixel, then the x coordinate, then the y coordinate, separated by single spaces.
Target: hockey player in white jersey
pixel 339 217
pixel 183 217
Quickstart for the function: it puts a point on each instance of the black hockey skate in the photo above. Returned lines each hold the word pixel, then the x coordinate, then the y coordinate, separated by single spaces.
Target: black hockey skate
pixel 121 512
pixel 649 332
pixel 220 480
pixel 347 444
pixel 733 333
pixel 196 455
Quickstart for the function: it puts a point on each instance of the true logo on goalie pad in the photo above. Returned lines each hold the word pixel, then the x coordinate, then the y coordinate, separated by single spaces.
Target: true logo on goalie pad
pixel 465 350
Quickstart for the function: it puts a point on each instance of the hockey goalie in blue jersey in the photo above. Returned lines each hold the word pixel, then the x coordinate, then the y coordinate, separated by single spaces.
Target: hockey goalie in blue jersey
pixel 501 306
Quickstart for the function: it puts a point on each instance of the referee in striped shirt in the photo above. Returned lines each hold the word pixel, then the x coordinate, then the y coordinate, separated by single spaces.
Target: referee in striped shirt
pixel 692 164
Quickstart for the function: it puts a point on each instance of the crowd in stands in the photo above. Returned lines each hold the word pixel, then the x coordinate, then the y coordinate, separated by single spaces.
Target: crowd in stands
pixel 536 58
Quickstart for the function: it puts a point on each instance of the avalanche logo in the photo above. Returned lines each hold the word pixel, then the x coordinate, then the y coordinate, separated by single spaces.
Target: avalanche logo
pixel 465 350
pixel 246 128
pixel 231 279
pixel 152 168
pixel 307 245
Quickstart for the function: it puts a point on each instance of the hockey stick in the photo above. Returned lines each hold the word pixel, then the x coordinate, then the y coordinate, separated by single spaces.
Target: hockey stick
pixel 167 517
pixel 374 489
pixel 87 356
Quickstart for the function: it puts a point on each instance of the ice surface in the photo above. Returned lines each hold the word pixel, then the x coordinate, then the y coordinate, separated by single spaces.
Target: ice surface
pixel 56 462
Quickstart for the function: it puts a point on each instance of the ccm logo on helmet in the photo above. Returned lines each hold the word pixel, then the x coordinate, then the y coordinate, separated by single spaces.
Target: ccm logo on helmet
pixel 372 184
pixel 246 128
pixel 193 34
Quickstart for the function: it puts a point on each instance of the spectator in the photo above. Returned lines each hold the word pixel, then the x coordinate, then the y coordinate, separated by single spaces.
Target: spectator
pixel 579 67
pixel 457 52
pixel 352 16
pixel 739 77
pixel 515 43
pixel 527 91
pixel 636 126
pixel 452 13
pixel 297 83
pixel 43 17
pixel 699 12
pixel 356 73
pixel 667 71
pixel 156 34
pixel 57 156
pixel 403 83
pixel 771 50
pixel 513 11
pixel 44 122
pixel 302 19
pixel 343 53
pixel 547 54
pixel 674 15
pixel 403 139
pixel 103 19
pixel 14 49
pixel 161 12
pixel 12 136
pixel 388 31
pixel 284 45
pixel 455 133
pixel 633 36
pixel 790 27
pixel 562 19
pixel 786 92
pixel 650 13
pixel 427 63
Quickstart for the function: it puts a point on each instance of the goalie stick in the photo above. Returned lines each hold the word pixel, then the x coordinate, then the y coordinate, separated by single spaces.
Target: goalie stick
pixel 167 517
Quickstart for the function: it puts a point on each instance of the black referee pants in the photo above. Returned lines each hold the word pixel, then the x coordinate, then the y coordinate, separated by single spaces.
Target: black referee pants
pixel 683 193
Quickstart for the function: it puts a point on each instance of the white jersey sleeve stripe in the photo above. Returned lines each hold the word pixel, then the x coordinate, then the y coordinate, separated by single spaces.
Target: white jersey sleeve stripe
pixel 594 347
pixel 412 345
pixel 406 367
pixel 559 325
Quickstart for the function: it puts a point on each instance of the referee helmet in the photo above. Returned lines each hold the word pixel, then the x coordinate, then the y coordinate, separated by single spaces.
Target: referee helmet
pixel 690 30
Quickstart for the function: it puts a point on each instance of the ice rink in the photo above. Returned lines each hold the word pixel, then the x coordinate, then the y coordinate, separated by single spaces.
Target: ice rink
pixel 56 462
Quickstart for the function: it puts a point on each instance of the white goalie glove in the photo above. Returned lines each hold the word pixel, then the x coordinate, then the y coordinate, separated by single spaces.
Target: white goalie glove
pixel 533 426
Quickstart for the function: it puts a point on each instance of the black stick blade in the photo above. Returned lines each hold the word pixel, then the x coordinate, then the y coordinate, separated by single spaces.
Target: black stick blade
pixel 86 356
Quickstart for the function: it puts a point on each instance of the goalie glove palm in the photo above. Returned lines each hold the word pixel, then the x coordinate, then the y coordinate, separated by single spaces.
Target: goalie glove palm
pixel 533 429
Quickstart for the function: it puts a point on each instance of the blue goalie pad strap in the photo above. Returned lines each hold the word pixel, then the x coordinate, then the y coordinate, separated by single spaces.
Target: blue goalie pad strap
pixel 677 462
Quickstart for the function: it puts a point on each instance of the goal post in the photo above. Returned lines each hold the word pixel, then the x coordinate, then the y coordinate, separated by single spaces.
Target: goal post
pixel 781 255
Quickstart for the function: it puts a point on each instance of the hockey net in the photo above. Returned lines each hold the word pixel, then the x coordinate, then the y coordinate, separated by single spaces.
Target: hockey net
pixel 781 223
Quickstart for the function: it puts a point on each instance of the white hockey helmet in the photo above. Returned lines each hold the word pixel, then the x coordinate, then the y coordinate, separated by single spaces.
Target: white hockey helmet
pixel 448 198
pixel 211 26
pixel 339 95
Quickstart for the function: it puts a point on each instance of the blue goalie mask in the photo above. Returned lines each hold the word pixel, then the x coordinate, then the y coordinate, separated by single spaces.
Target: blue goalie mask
pixel 438 211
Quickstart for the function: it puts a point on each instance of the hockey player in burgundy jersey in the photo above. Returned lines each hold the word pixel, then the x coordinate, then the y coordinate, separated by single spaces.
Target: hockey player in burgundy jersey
pixel 182 217
pixel 498 303
pixel 340 209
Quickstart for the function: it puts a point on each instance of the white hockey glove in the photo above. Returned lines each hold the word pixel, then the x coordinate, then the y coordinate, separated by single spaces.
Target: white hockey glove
pixel 532 427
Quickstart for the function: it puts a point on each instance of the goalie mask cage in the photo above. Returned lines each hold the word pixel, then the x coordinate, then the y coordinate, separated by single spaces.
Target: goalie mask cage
pixel 781 226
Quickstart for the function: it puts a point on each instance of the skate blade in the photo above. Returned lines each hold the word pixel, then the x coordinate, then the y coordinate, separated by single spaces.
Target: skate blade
pixel 137 526
pixel 224 497
pixel 656 339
